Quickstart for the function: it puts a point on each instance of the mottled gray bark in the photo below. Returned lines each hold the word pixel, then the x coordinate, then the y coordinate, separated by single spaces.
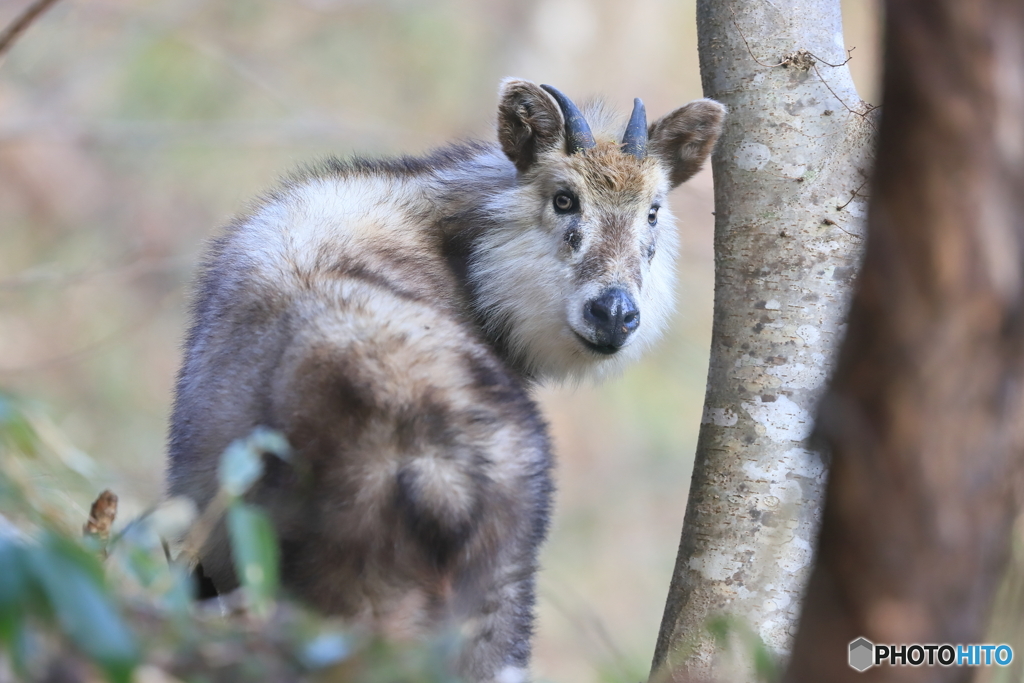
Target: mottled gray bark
pixel 789 176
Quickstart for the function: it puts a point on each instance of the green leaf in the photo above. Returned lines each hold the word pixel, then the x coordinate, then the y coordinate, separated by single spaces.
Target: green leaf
pixel 241 465
pixel 146 567
pixel 719 627
pixel 266 440
pixel 724 627
pixel 179 597
pixel 14 635
pixel 14 585
pixel 14 428
pixel 325 649
pixel 254 547
pixel 72 582
pixel 240 468
pixel 764 663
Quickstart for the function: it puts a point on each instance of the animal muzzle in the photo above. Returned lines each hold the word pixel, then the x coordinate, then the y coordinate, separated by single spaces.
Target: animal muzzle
pixel 613 316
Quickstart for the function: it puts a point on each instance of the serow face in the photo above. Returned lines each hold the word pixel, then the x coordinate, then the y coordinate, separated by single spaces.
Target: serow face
pixel 604 214
pixel 593 262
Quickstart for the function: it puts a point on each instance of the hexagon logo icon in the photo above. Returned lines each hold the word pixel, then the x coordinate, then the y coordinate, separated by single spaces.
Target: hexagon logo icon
pixel 862 654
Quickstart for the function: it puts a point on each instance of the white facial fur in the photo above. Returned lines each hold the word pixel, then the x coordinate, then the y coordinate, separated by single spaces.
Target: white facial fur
pixel 534 285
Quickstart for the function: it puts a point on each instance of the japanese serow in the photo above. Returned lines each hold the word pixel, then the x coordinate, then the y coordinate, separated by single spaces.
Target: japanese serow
pixel 390 317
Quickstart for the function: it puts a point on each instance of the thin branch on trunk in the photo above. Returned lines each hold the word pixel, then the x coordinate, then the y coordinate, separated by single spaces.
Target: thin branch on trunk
pixel 21 23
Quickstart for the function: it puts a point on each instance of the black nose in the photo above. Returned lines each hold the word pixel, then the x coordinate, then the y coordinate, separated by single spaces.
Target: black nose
pixel 614 316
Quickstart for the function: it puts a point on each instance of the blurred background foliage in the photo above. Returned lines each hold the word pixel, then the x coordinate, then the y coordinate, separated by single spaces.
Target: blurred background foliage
pixel 129 131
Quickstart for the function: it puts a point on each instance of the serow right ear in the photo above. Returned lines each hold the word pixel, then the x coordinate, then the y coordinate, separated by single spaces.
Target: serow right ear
pixel 683 139
pixel 529 122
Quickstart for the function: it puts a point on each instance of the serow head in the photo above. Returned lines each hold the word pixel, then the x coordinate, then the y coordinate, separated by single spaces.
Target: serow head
pixel 591 249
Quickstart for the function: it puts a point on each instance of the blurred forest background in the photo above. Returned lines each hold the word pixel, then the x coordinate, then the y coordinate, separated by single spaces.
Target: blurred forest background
pixel 129 131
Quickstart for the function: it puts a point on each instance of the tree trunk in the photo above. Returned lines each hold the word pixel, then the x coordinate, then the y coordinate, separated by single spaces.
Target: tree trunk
pixel 925 416
pixel 788 175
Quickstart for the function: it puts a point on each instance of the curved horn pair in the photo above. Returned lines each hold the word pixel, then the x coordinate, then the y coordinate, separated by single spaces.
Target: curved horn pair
pixel 577 130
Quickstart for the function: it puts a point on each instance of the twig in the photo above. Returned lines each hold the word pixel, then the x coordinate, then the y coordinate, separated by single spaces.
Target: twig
pixel 863 115
pixel 188 551
pixel 48 274
pixel 587 623
pixel 18 26
pixel 856 193
pixel 246 72
pixel 849 56
pixel 801 58
pixel 744 39
pixel 856 237
pixel 805 59
pixel 830 222
pixel 89 348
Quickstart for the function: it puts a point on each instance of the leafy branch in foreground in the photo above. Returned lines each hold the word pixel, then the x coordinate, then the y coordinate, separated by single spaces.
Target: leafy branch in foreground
pixel 109 605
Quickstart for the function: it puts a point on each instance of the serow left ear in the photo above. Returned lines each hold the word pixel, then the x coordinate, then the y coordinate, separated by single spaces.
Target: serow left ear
pixel 529 122
pixel 683 139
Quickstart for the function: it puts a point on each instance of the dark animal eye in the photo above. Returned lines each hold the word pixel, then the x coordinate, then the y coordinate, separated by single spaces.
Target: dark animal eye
pixel 565 202
pixel 652 215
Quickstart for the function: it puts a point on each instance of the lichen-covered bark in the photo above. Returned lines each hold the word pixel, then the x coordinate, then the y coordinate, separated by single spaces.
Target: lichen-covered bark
pixel 789 173
pixel 925 416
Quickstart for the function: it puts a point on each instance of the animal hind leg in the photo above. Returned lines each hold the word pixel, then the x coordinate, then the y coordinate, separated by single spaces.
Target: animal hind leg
pixel 497 640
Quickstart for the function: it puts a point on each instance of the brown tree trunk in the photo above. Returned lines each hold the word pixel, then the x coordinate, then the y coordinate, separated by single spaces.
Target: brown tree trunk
pixel 925 416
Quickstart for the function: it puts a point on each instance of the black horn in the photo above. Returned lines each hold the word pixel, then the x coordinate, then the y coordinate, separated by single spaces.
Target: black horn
pixel 635 139
pixel 577 130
